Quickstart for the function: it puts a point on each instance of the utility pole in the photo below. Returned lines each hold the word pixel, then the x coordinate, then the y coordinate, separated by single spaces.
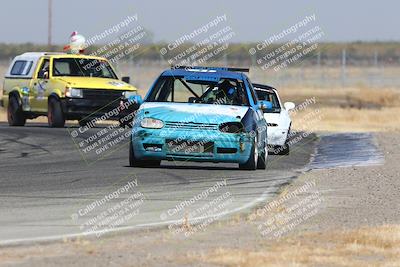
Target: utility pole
pixel 49 26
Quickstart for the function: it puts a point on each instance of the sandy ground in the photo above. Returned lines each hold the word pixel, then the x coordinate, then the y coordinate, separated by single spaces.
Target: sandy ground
pixel 356 222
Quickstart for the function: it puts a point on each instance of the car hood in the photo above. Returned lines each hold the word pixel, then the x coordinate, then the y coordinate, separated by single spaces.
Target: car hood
pixel 96 83
pixel 191 112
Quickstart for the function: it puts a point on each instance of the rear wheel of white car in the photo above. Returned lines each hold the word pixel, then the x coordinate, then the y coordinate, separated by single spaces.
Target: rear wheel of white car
pixel 251 163
pixel 134 162
pixel 15 115
pixel 55 115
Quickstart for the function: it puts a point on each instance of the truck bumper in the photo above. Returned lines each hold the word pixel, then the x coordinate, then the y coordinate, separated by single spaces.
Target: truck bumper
pixel 78 108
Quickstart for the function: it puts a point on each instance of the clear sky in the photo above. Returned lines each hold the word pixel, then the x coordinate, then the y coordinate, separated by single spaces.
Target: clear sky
pixel 351 20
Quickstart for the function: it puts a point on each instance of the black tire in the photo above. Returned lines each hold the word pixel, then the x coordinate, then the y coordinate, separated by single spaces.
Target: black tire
pixel 134 162
pixel 15 114
pixel 251 163
pixel 55 115
pixel 83 122
pixel 262 159
pixel 284 150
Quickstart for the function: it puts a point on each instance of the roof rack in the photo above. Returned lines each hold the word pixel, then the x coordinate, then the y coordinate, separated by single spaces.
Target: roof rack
pixel 263 86
pixel 54 53
pixel 211 68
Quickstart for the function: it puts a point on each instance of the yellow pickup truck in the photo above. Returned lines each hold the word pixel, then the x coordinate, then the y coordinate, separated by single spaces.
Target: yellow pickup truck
pixel 64 87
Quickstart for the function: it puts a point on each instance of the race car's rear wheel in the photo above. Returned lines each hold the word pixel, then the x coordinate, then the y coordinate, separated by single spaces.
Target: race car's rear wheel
pixel 251 163
pixel 15 114
pixel 134 162
pixel 262 159
pixel 55 115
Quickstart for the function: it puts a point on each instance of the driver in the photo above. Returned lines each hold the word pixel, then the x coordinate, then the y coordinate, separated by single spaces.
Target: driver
pixel 227 93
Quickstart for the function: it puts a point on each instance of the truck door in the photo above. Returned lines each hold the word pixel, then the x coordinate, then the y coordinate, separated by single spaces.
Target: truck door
pixel 40 85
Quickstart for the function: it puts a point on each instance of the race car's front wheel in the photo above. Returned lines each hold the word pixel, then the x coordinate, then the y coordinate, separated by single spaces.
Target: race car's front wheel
pixel 15 115
pixel 55 115
pixel 134 162
pixel 252 162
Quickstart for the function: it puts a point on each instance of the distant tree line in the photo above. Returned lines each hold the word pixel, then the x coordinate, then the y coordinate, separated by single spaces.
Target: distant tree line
pixel 355 53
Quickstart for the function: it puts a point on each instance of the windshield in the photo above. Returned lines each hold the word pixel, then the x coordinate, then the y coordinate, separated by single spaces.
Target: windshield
pixel 271 97
pixel 82 67
pixel 183 90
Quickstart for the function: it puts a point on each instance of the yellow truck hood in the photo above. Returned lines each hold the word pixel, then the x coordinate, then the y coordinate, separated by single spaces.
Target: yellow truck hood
pixel 96 83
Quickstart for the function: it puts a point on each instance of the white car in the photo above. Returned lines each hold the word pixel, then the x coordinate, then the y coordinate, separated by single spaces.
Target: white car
pixel 277 117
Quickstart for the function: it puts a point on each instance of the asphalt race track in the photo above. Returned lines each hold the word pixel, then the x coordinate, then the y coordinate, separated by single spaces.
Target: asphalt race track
pixel 45 184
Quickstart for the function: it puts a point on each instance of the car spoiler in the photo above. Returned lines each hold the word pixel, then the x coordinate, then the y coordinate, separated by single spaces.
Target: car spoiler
pixel 211 68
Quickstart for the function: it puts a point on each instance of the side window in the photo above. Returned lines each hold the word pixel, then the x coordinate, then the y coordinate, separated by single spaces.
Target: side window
pixel 21 67
pixel 162 90
pixel 44 67
pixel 253 95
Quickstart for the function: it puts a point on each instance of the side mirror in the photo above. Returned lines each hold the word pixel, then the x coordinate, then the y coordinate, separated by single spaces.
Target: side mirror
pixel 126 79
pixel 289 105
pixel 264 104
pixel 43 74
pixel 136 98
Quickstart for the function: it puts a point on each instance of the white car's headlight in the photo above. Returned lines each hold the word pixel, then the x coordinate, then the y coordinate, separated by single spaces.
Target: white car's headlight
pixel 128 94
pixel 73 92
pixel 152 123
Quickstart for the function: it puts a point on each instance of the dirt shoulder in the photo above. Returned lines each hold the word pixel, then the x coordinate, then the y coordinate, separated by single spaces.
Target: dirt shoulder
pixel 350 217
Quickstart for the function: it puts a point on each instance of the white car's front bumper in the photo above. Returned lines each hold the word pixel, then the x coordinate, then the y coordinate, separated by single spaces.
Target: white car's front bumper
pixel 277 136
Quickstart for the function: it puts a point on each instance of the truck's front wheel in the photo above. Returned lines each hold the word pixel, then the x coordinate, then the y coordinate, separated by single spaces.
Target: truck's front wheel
pixel 15 115
pixel 55 115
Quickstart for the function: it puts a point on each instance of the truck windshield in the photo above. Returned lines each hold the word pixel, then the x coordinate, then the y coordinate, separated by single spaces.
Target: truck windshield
pixel 82 67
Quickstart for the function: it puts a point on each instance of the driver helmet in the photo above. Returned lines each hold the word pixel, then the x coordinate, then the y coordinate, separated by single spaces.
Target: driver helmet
pixel 226 89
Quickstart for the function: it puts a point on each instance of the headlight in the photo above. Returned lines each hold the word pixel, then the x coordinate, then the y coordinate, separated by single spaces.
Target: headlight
pixel 73 92
pixel 152 123
pixel 231 127
pixel 128 94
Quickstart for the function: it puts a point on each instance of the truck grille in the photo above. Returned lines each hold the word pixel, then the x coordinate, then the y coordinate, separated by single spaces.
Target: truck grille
pixel 102 94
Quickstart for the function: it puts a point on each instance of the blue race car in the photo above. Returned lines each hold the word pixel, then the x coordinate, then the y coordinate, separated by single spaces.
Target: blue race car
pixel 200 114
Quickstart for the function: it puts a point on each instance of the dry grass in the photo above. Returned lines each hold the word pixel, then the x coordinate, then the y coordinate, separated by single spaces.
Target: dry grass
pixel 346 110
pixel 374 246
pixel 357 97
pixel 348 120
